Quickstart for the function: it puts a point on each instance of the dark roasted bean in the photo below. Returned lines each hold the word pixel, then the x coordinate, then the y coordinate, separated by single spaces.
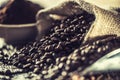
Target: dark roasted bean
pixel 27 65
pixel 36 70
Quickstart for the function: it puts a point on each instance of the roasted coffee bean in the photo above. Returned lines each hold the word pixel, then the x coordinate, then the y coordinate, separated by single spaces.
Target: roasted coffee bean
pixel 8 72
pixel 49 61
pixel 63 59
pixel 58 47
pixel 60 65
pixel 36 66
pixel 31 67
pixel 36 70
pixel 38 62
pixel 21 55
pixel 44 72
pixel 35 56
pixel 20 65
pixel 29 60
pixel 27 65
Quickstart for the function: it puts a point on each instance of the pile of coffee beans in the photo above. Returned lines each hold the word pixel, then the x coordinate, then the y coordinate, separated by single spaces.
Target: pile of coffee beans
pixel 66 67
pixel 61 41
pixel 80 59
pixel 60 54
pixel 6 51
pixel 91 52
pixel 114 75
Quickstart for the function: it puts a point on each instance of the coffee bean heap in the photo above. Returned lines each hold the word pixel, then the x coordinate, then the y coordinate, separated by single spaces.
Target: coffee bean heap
pixel 80 59
pixel 60 41
pixel 65 67
pixel 59 54
pixel 114 75
pixel 6 52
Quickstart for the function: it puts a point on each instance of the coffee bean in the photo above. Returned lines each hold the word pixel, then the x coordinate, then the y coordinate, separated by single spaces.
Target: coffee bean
pixel 38 62
pixel 44 72
pixel 64 73
pixel 20 65
pixel 68 62
pixel 49 48
pixel 60 65
pixel 29 60
pixel 8 72
pixel 36 70
pixel 63 59
pixel 27 65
